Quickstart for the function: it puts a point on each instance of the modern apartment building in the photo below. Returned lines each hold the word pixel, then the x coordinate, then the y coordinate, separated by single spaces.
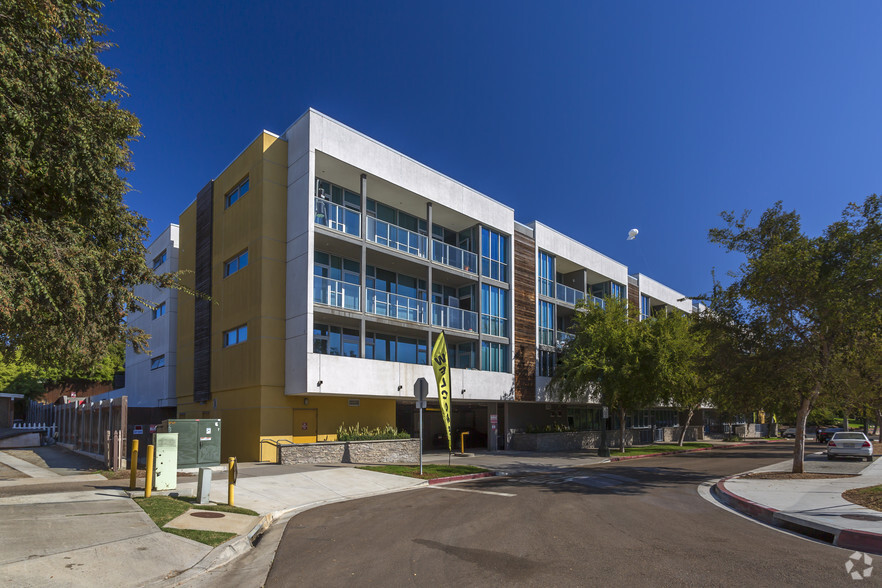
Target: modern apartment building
pixel 150 377
pixel 333 262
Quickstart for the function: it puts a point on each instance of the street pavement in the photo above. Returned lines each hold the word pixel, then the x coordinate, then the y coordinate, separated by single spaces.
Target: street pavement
pixel 62 525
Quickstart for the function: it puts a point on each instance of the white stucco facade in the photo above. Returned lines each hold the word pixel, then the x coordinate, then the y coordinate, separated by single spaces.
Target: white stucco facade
pixel 658 294
pixel 149 384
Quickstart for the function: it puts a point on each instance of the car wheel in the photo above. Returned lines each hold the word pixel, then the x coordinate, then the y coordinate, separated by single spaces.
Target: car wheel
pixel 829 456
pixel 870 458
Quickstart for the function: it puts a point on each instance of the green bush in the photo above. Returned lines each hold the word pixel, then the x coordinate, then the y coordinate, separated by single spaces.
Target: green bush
pixel 556 428
pixel 357 433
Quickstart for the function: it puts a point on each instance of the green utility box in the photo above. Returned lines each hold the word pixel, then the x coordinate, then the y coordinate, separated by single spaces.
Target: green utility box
pixel 199 441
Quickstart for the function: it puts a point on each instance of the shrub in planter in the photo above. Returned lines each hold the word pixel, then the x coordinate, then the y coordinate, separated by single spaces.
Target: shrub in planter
pixel 357 433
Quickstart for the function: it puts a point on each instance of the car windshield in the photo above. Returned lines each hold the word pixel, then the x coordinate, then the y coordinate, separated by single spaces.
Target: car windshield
pixel 858 436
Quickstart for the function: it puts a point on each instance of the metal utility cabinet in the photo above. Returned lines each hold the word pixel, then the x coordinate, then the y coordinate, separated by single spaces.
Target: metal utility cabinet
pixel 199 441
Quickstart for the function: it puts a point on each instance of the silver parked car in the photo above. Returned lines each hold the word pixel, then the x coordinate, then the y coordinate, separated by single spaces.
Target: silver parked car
pixel 850 445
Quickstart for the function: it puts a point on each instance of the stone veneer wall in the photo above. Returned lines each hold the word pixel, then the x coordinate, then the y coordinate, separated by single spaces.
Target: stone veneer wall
pixel 392 451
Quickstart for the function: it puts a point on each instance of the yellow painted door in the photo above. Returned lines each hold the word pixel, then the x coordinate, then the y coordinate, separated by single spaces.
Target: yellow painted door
pixel 305 425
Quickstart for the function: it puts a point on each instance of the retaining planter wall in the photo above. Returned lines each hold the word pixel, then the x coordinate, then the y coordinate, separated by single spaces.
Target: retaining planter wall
pixel 392 451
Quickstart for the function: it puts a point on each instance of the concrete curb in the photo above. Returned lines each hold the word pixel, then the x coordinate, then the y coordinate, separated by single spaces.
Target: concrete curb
pixel 461 478
pixel 864 541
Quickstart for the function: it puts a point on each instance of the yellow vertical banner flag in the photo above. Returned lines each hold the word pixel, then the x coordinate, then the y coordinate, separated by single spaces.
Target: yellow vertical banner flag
pixel 442 377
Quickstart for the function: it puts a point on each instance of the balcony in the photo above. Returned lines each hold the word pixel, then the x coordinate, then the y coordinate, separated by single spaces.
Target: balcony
pixel 448 317
pixel 563 338
pixel 337 218
pixel 454 257
pixel 569 295
pixel 396 306
pixel 382 233
pixel 336 293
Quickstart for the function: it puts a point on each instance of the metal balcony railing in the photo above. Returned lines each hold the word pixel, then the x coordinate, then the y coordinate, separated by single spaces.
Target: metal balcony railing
pixel 454 257
pixel 337 218
pixel 396 306
pixel 336 293
pixel 388 235
pixel 569 295
pixel 449 317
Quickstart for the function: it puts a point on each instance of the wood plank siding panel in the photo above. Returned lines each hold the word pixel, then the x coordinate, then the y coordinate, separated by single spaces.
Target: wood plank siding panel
pixel 634 298
pixel 525 316
pixel 202 312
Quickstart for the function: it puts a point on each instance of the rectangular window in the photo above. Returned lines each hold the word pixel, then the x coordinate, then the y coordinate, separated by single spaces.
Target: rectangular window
pixel 391 348
pixel 546 274
pixel 159 311
pixel 494 257
pixel 546 323
pixel 645 308
pixel 235 264
pixel 236 336
pixel 236 193
pixel 159 260
pixel 494 357
pixel 546 363
pixel 331 340
pixel 494 311
pixel 157 362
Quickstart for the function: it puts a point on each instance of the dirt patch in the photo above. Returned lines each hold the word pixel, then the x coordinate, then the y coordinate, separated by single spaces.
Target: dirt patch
pixel 8 473
pixel 869 497
pixel 791 476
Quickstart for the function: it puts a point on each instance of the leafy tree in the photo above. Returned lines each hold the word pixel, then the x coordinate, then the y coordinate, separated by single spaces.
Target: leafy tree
pixel 797 304
pixel 70 250
pixel 679 363
pixel 608 358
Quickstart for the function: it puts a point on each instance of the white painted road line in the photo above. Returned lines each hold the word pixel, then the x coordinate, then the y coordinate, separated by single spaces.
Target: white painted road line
pixel 475 491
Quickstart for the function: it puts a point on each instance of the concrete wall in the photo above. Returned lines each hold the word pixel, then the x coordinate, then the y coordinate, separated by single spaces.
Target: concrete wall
pixel 568 248
pixel 394 451
pixel 661 293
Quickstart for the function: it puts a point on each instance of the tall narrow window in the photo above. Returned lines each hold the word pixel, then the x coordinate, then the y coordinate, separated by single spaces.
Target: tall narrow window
pixel 494 311
pixel 159 259
pixel 494 255
pixel 494 357
pixel 546 323
pixel 546 274
pixel 159 311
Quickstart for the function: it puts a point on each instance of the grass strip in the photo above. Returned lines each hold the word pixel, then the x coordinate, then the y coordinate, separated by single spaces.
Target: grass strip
pixel 430 471
pixel 650 449
pixel 164 509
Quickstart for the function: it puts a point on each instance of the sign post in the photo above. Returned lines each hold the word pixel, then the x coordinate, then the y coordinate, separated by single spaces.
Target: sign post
pixel 421 392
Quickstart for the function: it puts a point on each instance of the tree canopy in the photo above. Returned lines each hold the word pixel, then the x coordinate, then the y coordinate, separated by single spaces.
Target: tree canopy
pixel 71 251
pixel 798 306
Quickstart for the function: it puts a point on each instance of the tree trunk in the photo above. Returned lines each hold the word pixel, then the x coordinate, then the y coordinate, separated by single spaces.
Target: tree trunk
pixel 622 428
pixel 879 423
pixel 686 426
pixel 799 443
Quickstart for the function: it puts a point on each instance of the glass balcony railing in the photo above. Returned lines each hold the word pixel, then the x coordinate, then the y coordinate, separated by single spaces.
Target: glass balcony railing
pixel 454 257
pixel 569 295
pixel 396 306
pixel 336 293
pixel 563 338
pixel 337 217
pixel 598 301
pixel 394 237
pixel 449 317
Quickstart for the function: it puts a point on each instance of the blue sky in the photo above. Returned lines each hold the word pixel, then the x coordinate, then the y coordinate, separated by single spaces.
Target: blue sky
pixel 590 117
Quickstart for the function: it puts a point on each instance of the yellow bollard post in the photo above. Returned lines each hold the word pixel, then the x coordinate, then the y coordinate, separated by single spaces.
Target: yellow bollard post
pixel 133 464
pixel 462 441
pixel 148 484
pixel 231 479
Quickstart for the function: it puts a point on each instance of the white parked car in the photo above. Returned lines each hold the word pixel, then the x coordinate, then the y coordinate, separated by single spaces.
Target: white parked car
pixel 850 445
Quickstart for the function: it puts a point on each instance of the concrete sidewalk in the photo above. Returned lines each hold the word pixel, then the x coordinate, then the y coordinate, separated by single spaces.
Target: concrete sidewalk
pixel 100 536
pixel 812 507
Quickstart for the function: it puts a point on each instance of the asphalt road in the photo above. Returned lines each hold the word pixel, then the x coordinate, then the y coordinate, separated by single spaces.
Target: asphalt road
pixel 633 523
